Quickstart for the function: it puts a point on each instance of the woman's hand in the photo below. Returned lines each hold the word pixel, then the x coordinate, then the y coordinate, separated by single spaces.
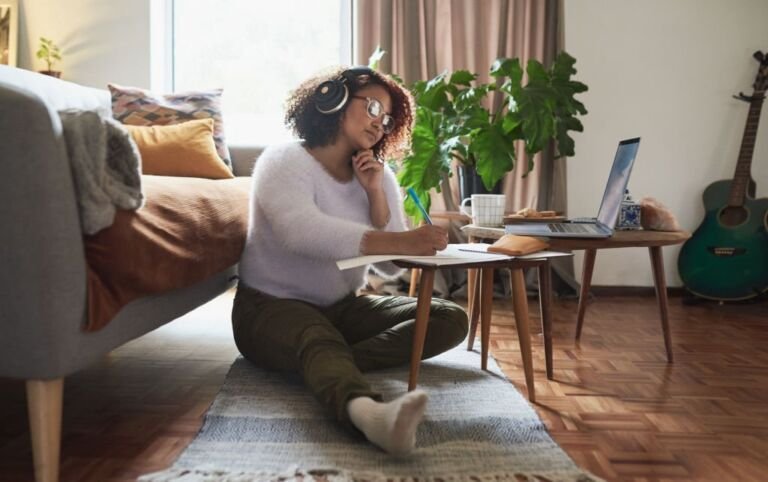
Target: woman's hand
pixel 425 240
pixel 370 174
pixel 368 170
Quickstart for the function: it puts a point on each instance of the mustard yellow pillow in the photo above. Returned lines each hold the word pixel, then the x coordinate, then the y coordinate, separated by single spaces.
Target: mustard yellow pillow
pixel 185 149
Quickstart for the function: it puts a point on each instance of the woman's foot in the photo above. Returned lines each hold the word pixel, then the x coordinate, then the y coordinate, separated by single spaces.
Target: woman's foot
pixel 392 425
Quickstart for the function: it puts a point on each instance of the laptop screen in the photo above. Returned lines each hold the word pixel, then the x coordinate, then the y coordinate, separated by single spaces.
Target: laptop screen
pixel 617 181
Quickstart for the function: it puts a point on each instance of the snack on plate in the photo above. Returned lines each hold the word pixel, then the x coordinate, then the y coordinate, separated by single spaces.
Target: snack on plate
pixel 532 213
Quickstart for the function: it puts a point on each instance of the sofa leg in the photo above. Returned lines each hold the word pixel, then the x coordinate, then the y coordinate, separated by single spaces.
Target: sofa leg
pixel 44 400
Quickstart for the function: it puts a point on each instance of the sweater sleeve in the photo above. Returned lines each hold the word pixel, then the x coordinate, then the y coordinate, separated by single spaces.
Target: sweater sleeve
pixel 395 200
pixel 283 192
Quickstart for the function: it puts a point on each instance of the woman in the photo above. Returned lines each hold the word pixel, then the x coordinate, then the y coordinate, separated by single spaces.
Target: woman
pixel 325 198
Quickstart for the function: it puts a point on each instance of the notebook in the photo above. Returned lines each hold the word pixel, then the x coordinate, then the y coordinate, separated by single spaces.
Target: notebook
pixel 603 225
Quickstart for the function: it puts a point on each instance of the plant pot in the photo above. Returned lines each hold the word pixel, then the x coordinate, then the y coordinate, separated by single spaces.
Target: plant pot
pixel 470 183
pixel 52 73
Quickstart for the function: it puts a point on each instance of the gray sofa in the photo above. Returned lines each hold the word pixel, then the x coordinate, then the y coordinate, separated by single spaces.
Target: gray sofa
pixel 43 280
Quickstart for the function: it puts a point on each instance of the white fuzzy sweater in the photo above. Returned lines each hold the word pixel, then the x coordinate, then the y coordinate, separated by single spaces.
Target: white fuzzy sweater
pixel 302 221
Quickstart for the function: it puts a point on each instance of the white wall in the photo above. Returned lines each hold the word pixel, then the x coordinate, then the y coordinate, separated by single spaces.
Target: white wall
pixel 101 40
pixel 664 70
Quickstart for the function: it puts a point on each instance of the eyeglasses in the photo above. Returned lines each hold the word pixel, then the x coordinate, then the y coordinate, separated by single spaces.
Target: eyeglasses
pixel 375 109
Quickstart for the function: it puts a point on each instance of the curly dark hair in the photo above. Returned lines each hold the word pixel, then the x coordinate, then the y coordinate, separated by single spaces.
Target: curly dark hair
pixel 317 129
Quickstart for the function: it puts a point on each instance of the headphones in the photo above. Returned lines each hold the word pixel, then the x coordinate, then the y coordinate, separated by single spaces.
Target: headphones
pixel 332 95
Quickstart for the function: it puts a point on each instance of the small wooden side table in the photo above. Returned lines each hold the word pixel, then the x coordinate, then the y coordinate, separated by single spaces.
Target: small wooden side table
pixel 653 240
pixel 485 306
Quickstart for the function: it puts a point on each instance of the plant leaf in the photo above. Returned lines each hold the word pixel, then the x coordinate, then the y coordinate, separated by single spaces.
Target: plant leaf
pixel 471 97
pixel 512 124
pixel 565 144
pixel 423 160
pixel 455 148
pixel 566 107
pixel 511 69
pixel 537 74
pixel 475 118
pixel 535 108
pixel 505 67
pixel 494 153
pixel 375 58
pixel 433 96
pixel 462 77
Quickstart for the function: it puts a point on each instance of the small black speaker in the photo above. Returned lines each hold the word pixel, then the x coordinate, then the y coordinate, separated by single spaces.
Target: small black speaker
pixel 332 95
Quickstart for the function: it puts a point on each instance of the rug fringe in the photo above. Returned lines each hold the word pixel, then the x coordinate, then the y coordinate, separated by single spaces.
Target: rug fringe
pixel 329 475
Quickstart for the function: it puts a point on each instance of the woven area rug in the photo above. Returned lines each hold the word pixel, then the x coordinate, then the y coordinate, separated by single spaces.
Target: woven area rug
pixel 263 426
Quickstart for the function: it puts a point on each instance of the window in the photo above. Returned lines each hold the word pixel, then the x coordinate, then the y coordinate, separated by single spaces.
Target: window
pixel 257 52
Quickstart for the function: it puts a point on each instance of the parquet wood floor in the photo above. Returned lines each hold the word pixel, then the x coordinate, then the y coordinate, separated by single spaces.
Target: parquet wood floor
pixel 623 413
pixel 615 405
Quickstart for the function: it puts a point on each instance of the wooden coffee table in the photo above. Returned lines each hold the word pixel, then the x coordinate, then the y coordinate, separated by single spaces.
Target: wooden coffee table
pixel 653 240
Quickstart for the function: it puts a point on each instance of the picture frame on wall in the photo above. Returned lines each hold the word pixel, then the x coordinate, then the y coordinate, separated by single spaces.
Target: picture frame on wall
pixel 9 32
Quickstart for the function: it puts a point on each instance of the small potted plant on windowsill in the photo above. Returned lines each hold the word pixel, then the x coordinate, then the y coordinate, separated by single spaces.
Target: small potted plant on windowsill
pixel 49 53
pixel 452 122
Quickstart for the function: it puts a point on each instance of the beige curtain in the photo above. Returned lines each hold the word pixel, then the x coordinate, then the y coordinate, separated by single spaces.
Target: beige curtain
pixel 424 37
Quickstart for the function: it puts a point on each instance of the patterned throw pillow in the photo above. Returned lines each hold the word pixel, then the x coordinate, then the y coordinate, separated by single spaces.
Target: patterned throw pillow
pixel 139 107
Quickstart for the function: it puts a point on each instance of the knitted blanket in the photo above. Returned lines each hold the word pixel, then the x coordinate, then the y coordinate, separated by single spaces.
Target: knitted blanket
pixel 105 165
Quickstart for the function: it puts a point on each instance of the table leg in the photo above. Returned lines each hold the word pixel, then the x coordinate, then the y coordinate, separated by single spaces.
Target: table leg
pixel 415 275
pixel 486 306
pixel 657 262
pixel 520 303
pixel 586 281
pixel 473 305
pixel 545 304
pixel 420 329
pixel 473 298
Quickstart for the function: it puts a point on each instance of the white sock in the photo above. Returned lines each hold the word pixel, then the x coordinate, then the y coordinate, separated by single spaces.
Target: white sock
pixel 392 425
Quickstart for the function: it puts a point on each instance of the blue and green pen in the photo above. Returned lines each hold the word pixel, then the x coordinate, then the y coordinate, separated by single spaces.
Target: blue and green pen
pixel 418 204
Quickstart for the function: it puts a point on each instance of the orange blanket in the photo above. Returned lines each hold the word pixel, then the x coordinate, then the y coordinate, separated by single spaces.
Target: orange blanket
pixel 188 230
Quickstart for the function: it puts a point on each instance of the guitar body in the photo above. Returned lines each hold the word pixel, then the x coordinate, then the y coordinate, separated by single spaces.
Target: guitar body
pixel 725 259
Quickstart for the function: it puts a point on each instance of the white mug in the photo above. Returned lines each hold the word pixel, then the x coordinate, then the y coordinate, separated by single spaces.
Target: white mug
pixel 486 209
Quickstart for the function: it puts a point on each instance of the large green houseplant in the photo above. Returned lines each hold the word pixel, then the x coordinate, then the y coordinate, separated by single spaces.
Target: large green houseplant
pixel 452 122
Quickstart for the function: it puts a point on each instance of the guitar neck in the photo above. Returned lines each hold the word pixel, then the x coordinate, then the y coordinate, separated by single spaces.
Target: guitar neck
pixel 742 175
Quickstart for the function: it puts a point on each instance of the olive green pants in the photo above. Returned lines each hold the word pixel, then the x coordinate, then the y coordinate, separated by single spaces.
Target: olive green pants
pixel 331 346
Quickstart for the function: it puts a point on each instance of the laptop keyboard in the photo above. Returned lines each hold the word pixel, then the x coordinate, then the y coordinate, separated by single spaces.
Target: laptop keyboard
pixel 571 228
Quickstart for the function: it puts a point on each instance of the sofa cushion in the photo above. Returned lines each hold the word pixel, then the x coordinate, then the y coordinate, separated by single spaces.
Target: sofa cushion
pixel 185 149
pixel 139 107
pixel 189 229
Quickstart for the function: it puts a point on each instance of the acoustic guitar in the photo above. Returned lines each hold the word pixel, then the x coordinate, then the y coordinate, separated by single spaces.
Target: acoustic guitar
pixel 727 256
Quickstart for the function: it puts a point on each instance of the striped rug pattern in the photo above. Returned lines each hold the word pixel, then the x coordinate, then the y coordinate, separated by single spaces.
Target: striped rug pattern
pixel 265 426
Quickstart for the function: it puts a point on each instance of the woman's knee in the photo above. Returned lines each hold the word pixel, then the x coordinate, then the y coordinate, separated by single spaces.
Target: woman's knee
pixel 277 333
pixel 452 318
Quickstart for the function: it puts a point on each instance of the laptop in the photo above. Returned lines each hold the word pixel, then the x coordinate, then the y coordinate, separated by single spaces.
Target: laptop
pixel 602 226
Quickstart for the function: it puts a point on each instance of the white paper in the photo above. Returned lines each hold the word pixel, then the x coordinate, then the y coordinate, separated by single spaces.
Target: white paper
pixel 450 255
pixel 453 254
